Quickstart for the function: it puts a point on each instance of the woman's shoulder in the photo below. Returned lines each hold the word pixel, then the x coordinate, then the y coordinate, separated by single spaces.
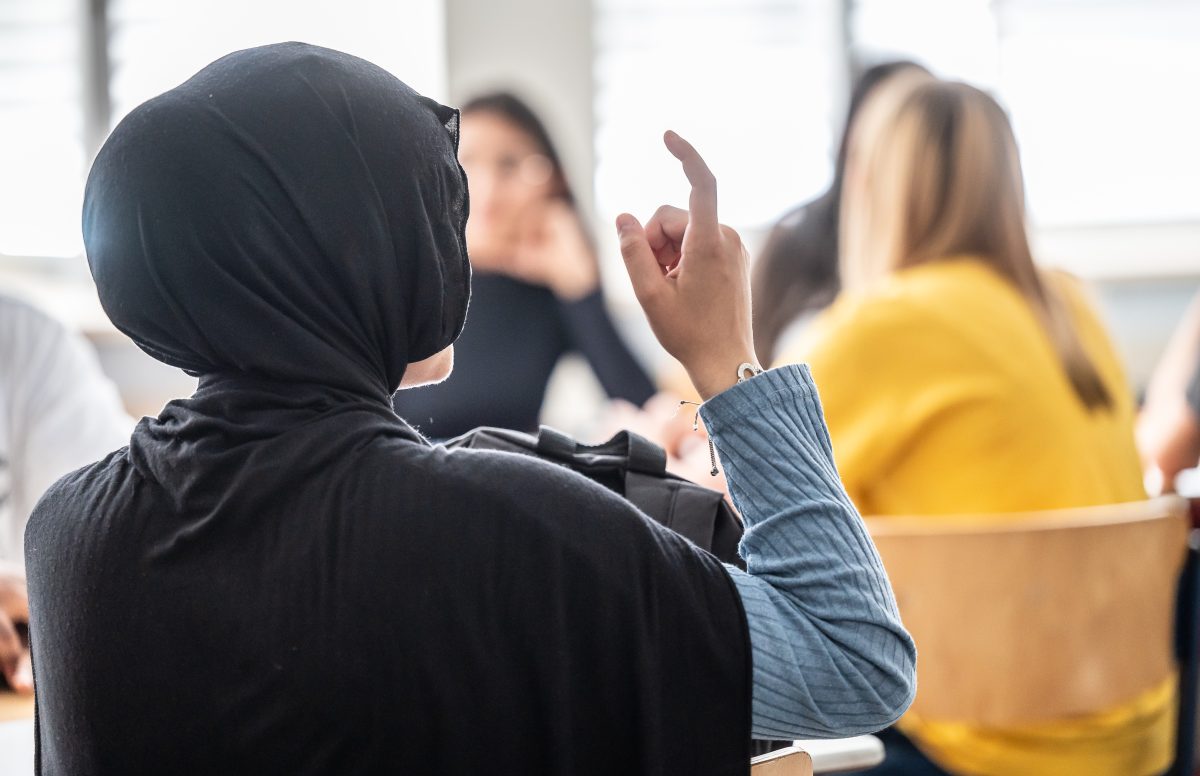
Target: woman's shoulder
pixel 74 501
pixel 517 483
pixel 866 322
pixel 27 334
pixel 549 504
pixel 1076 294
pixel 917 323
pixel 929 294
pixel 956 281
pixel 1087 316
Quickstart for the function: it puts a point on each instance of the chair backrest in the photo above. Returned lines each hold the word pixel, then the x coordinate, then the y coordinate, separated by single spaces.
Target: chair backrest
pixel 790 761
pixel 1039 616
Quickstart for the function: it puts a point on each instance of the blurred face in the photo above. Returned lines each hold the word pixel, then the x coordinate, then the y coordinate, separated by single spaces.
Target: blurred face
pixel 509 181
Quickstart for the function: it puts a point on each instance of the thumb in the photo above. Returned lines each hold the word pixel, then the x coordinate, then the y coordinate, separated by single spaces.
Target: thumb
pixel 644 270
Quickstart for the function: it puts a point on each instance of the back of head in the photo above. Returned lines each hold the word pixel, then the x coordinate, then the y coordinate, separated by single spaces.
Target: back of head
pixel 868 82
pixel 797 269
pixel 934 174
pixel 289 213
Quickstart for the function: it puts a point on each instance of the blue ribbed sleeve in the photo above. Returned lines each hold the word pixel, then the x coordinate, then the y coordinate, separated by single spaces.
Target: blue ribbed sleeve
pixel 831 657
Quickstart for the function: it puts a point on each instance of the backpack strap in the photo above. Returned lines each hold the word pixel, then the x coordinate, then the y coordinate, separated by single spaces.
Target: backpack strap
pixel 554 444
pixel 644 456
pixel 692 510
pixel 641 454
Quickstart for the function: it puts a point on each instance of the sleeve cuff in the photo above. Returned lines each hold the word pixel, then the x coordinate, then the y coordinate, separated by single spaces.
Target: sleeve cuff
pixel 749 396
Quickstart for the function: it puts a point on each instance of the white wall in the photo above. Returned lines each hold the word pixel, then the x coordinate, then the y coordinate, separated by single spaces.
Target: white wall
pixel 542 51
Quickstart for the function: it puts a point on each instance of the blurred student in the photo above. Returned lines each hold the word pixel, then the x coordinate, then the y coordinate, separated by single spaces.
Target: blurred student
pixel 796 274
pixel 536 292
pixel 957 377
pixel 1168 427
pixel 57 412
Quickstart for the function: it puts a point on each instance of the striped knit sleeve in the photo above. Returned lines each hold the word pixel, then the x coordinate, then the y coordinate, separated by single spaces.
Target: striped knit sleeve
pixel 831 657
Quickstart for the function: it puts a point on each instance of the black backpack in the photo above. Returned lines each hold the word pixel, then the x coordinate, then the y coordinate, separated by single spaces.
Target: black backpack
pixel 635 468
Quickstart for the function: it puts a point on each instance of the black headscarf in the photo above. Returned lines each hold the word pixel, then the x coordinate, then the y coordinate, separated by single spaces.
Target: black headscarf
pixel 278 575
pixel 220 243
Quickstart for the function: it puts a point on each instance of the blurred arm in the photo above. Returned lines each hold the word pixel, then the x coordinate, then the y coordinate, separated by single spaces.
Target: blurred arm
pixel 1168 427
pixel 62 411
pixel 592 332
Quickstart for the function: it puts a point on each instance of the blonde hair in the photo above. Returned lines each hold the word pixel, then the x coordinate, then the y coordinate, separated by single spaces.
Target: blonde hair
pixel 935 174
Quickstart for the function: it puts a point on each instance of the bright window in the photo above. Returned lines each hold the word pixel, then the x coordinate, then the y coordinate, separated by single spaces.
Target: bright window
pixel 42 123
pixel 153 45
pixel 754 84
pixel 1101 94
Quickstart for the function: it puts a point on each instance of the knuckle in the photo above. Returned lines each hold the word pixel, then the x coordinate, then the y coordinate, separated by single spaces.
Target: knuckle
pixel 629 253
pixel 647 298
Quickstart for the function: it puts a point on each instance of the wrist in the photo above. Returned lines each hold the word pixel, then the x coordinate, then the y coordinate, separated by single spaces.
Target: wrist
pixel 720 374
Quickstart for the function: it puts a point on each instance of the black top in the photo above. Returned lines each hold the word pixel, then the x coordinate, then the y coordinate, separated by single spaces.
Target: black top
pixel 515 335
pixel 274 580
pixel 278 575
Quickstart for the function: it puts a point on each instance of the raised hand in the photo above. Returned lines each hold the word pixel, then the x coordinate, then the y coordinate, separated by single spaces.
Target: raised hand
pixel 691 275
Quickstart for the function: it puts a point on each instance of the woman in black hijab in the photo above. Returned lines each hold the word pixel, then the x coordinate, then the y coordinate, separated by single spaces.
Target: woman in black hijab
pixel 278 575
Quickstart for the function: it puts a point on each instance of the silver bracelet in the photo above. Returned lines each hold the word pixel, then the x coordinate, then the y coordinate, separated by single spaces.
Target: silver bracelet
pixel 746 370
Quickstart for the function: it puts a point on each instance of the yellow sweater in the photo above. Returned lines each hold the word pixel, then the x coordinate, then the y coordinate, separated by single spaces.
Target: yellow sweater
pixel 944 395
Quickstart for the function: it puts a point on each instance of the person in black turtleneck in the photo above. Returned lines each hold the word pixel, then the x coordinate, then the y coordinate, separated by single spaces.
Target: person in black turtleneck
pixel 536 291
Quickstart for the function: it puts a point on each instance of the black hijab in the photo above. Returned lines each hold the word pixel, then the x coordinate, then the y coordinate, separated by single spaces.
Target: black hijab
pixel 278 575
pixel 221 243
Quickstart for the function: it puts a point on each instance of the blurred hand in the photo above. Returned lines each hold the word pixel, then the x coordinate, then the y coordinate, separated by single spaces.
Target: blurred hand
pixel 662 420
pixel 14 608
pixel 1169 444
pixel 691 275
pixel 554 251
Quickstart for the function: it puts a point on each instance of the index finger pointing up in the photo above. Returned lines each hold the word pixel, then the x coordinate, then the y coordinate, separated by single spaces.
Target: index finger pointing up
pixel 703 201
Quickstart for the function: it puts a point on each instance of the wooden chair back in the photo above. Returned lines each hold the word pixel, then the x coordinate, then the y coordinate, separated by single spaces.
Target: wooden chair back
pixel 1026 618
pixel 792 761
